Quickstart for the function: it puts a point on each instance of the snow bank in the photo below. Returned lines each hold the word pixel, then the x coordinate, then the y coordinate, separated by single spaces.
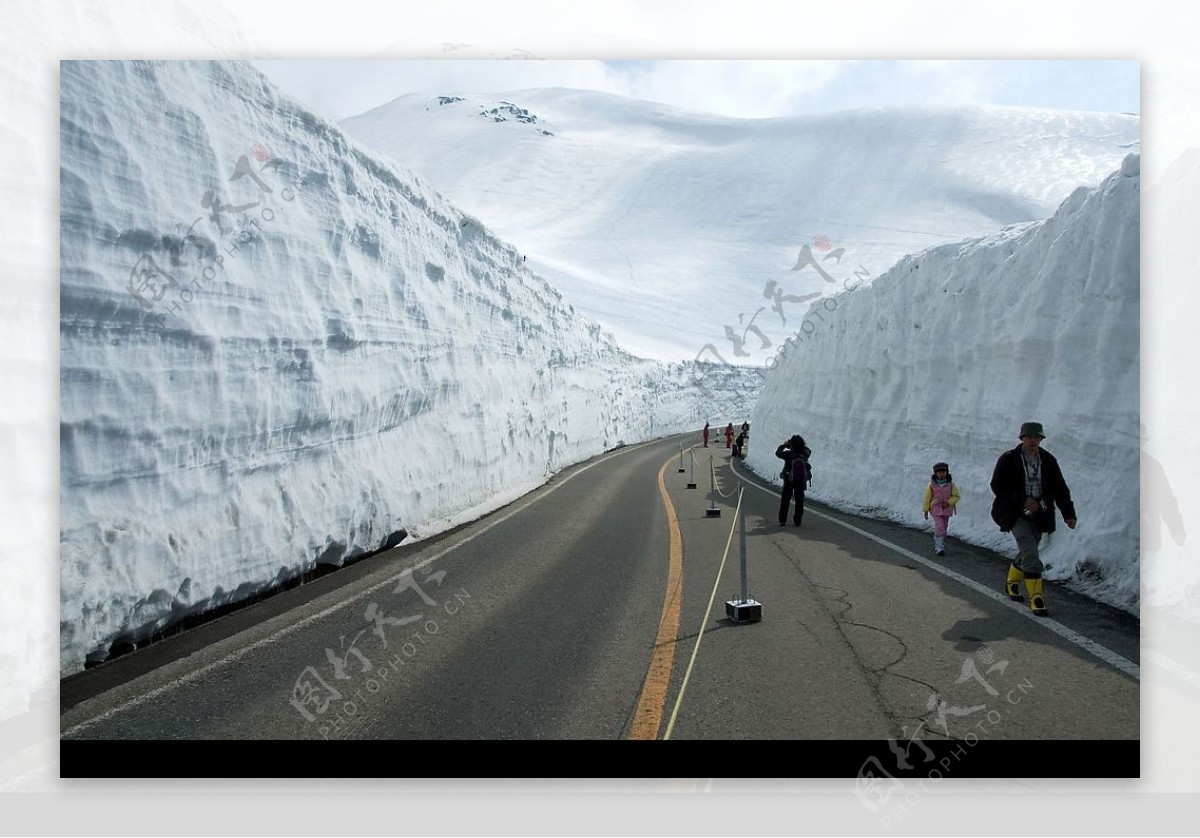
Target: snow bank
pixel 278 351
pixel 949 351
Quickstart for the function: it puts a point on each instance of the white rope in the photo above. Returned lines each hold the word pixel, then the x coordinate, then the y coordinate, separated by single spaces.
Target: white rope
pixel 713 474
pixel 707 611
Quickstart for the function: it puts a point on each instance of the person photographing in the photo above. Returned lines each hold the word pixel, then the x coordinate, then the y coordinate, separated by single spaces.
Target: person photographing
pixel 796 474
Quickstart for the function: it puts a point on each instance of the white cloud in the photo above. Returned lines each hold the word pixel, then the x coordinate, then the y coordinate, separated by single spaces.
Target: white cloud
pixel 729 88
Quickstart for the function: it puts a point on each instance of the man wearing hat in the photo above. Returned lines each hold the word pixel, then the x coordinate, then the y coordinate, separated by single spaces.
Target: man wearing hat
pixel 1028 483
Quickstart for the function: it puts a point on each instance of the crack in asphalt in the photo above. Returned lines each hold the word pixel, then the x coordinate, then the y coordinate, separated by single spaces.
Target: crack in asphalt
pixel 872 677
pixel 875 674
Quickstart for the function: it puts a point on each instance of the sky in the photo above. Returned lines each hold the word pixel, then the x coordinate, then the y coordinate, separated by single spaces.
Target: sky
pixel 747 89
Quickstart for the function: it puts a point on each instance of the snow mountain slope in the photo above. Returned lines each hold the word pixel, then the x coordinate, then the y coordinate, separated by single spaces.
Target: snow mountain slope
pixel 693 216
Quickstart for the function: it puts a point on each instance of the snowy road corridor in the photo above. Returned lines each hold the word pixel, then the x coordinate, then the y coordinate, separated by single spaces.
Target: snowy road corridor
pixel 540 622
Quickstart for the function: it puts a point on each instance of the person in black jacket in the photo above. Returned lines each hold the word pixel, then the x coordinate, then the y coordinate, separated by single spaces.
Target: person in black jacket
pixel 789 451
pixel 1028 484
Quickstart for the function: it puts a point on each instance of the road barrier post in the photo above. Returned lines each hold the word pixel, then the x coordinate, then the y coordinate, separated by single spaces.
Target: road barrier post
pixel 712 511
pixel 744 609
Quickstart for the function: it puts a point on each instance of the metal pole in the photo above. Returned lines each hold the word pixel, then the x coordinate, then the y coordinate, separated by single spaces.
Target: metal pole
pixel 692 474
pixel 681 468
pixel 745 609
pixel 712 511
pixel 712 484
pixel 742 539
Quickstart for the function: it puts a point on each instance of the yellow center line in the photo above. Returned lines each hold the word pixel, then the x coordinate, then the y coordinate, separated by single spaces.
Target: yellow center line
pixel 648 716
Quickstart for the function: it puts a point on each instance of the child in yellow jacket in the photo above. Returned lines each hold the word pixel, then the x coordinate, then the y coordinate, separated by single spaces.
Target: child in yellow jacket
pixel 941 498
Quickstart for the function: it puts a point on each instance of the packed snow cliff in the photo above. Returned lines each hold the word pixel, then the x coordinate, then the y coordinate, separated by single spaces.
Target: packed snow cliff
pixel 948 352
pixel 278 351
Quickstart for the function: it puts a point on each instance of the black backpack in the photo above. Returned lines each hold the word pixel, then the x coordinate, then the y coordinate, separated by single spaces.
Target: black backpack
pixel 801 469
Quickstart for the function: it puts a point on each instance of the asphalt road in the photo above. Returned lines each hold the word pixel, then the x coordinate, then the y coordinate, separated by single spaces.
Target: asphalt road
pixel 577 612
pixel 866 635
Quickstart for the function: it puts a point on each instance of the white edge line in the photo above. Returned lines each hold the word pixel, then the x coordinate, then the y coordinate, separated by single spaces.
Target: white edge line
pixel 1087 644
pixel 337 606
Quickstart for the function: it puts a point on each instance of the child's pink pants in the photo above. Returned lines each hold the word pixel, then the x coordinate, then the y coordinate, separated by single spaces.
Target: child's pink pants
pixel 939 524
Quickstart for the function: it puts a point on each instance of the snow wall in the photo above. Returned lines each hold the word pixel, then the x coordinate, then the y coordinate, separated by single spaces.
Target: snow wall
pixel 278 351
pixel 949 351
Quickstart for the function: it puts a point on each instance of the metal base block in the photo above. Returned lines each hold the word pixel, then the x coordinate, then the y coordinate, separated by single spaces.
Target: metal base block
pixel 712 513
pixel 691 485
pixel 682 470
pixel 749 611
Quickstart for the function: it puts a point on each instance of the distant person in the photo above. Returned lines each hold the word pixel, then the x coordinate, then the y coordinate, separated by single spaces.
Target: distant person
pixel 796 474
pixel 729 435
pixel 1028 484
pixel 739 444
pixel 705 434
pixel 941 500
pixel 746 428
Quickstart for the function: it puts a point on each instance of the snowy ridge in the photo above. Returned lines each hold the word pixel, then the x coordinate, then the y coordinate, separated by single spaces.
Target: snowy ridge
pixel 949 351
pixel 277 350
pixel 697 213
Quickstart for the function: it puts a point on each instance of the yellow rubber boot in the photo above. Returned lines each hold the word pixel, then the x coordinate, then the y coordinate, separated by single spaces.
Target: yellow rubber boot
pixel 1037 598
pixel 1013 586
